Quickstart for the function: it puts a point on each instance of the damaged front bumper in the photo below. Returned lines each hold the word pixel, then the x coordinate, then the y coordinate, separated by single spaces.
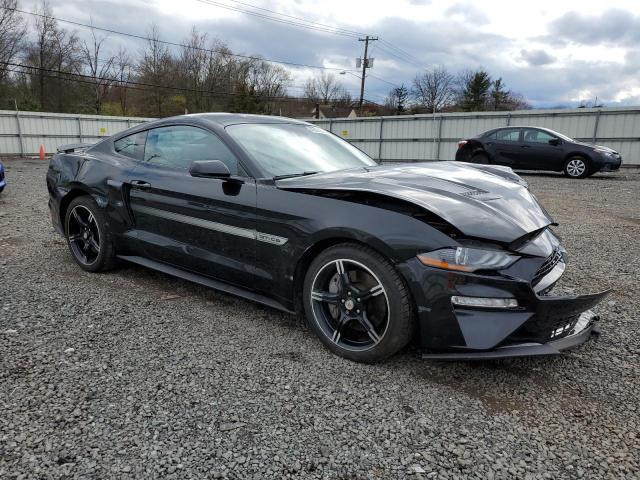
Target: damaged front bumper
pixel 532 323
pixel 584 327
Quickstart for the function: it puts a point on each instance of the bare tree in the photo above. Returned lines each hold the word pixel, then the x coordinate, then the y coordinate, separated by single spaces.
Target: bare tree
pixel 12 32
pixel 324 89
pixel 193 65
pixel 156 68
pixel 123 70
pixel 100 69
pixel 434 89
pixel 54 55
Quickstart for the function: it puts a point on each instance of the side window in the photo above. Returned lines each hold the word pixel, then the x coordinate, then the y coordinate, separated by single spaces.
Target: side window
pixel 177 146
pixel 491 136
pixel 132 145
pixel 537 136
pixel 508 135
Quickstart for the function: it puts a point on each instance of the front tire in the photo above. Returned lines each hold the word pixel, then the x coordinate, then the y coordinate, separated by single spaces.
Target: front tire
pixel 357 303
pixel 576 167
pixel 88 239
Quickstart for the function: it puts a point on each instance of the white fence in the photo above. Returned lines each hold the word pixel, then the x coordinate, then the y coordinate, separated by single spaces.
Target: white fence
pixel 402 138
pixel 434 137
pixel 22 133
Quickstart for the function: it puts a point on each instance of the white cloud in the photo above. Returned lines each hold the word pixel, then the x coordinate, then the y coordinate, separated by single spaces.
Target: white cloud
pixel 548 50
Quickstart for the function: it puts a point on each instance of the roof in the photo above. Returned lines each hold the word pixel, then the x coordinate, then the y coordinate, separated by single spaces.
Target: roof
pixel 225 119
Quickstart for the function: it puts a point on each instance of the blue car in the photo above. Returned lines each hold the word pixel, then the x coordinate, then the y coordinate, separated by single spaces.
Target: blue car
pixel 3 182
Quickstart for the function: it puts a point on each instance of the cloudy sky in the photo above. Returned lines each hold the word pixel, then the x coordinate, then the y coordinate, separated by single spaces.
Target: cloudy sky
pixel 553 52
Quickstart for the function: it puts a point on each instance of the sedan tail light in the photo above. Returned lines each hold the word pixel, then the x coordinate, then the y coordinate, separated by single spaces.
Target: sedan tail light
pixel 462 143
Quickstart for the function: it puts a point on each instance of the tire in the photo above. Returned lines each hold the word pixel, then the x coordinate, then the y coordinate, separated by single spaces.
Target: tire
pixel 366 319
pixel 576 167
pixel 88 239
pixel 481 158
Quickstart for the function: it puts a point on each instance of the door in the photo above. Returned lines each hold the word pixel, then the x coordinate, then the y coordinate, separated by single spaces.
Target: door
pixel 504 146
pixel 200 224
pixel 539 153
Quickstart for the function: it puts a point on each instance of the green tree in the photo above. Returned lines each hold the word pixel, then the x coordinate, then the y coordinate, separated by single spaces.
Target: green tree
pixel 475 91
pixel 499 96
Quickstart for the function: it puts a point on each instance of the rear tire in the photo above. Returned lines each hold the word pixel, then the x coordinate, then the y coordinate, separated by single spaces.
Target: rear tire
pixel 481 158
pixel 576 167
pixel 357 303
pixel 88 238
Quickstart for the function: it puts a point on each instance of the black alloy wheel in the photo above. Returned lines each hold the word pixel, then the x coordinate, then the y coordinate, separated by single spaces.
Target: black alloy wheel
pixel 350 304
pixel 357 303
pixel 88 239
pixel 83 235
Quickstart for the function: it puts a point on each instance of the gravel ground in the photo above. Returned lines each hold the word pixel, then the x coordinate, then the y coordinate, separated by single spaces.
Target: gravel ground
pixel 136 374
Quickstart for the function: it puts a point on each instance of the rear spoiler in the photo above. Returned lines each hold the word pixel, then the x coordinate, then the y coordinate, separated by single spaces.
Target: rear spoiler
pixel 74 147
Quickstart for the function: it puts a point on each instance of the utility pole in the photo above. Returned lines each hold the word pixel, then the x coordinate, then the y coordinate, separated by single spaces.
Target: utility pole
pixel 365 65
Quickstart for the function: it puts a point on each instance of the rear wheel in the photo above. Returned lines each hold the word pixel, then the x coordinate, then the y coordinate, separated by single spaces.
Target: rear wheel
pixel 88 239
pixel 576 167
pixel 481 158
pixel 357 303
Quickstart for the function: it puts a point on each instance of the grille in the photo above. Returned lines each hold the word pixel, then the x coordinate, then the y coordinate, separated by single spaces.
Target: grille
pixel 547 266
pixel 542 330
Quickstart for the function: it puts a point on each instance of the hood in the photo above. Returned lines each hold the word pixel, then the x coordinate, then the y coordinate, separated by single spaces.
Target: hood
pixel 481 201
pixel 592 146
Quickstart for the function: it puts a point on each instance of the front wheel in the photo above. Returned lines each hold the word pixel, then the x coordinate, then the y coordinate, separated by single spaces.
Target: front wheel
pixel 357 303
pixel 576 167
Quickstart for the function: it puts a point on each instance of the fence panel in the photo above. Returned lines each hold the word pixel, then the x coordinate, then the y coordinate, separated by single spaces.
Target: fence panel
pixel 434 137
pixel 22 133
pixel 410 138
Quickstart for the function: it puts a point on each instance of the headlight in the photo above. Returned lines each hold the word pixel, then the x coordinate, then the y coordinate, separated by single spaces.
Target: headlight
pixel 467 259
pixel 608 153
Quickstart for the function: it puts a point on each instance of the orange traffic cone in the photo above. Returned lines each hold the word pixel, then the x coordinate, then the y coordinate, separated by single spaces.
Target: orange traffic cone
pixel 42 154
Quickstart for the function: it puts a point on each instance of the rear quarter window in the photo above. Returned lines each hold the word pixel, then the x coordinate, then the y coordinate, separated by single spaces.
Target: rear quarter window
pixel 132 145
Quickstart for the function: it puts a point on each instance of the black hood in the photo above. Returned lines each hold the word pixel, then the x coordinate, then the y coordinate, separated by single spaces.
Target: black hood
pixel 481 201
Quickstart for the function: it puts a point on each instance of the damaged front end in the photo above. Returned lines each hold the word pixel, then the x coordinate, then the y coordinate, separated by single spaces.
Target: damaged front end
pixel 509 312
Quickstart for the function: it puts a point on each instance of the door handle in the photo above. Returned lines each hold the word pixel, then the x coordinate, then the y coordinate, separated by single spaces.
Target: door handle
pixel 525 146
pixel 141 184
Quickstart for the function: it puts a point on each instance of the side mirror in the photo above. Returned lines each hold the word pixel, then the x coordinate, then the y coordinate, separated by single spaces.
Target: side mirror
pixel 555 142
pixel 209 169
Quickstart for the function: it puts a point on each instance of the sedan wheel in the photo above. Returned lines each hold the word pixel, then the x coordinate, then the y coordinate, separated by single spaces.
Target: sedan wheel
pixel 576 167
pixel 357 304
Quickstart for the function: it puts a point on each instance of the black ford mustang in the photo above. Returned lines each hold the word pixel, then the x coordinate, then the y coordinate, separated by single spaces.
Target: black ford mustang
pixel 458 257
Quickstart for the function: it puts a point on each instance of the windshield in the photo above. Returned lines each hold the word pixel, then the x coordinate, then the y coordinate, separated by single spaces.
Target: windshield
pixel 283 149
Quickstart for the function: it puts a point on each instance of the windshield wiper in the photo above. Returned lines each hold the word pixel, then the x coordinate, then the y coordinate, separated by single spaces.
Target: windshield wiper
pixel 292 175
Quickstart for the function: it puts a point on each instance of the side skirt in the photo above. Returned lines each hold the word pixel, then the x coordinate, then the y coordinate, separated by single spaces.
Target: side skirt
pixel 206 281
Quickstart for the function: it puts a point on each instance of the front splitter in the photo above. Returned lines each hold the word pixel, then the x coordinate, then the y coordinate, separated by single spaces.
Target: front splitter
pixel 584 328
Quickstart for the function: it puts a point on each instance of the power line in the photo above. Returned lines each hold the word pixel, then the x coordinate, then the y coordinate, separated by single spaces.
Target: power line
pixel 312 26
pixel 181 45
pixel 401 51
pixel 174 44
pixel 299 18
pixel 134 85
pixel 279 20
